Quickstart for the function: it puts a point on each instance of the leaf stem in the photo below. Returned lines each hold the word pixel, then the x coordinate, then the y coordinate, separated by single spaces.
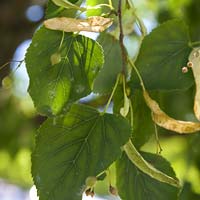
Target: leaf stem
pixel 112 94
pixel 131 112
pixel 158 147
pixel 147 168
pixel 62 39
pixel 110 3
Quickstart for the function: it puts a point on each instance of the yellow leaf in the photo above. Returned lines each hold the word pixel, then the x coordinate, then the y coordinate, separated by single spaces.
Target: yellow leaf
pixel 92 24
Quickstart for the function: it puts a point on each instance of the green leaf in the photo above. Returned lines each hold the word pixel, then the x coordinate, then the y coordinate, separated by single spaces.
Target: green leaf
pixel 68 4
pixel 73 147
pixel 99 11
pixel 106 78
pixel 53 10
pixel 135 185
pixel 54 86
pixel 188 194
pixel 162 55
pixel 143 126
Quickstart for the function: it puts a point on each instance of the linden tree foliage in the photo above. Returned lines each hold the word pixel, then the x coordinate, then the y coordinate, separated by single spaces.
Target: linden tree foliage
pixel 78 143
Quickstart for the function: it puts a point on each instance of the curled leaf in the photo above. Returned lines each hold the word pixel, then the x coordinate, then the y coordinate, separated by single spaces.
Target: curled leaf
pixel 92 24
pixel 163 120
pixel 194 63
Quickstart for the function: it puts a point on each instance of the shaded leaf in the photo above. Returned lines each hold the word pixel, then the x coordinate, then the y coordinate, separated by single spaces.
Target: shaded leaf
pixel 106 78
pixel 73 147
pixel 54 86
pixel 143 126
pixel 135 185
pixel 188 194
pixel 162 55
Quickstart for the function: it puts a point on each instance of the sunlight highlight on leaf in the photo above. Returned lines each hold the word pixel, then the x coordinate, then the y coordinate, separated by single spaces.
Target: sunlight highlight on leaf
pixel 62 71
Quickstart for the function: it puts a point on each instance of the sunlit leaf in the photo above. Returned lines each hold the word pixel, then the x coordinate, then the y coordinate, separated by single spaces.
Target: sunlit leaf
pixel 143 125
pixel 96 11
pixel 53 86
pixel 53 10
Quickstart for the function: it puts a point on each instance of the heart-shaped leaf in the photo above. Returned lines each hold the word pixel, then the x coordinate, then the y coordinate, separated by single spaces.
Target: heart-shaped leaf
pixel 73 147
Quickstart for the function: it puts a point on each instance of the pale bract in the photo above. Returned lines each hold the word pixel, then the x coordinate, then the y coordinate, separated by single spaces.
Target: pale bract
pixel 194 63
pixel 167 122
pixel 92 24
